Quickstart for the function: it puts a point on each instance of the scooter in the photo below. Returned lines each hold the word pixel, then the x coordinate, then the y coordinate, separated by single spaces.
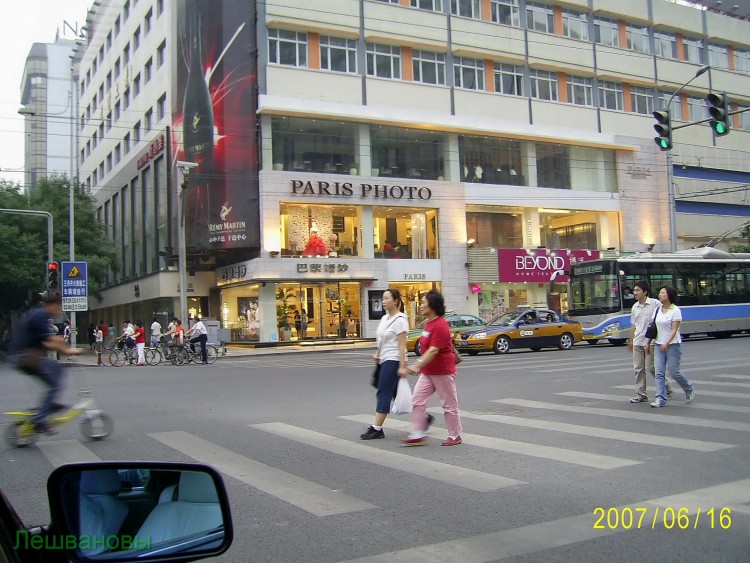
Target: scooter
pixel 95 425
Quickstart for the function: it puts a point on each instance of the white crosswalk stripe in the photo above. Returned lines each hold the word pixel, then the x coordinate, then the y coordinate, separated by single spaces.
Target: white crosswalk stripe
pixel 702 392
pixel 60 452
pixel 625 399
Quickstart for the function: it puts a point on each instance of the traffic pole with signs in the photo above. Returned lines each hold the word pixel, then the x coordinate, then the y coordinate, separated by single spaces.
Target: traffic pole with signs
pixel 75 286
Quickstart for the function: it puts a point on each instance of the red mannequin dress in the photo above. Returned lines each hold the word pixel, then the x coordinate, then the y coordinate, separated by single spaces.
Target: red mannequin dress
pixel 316 246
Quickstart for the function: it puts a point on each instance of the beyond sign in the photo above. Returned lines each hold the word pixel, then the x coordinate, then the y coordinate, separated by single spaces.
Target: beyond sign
pixel 347 189
pixel 539 265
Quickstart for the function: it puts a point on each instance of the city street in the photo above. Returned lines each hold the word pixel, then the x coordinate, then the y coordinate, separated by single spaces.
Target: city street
pixel 556 462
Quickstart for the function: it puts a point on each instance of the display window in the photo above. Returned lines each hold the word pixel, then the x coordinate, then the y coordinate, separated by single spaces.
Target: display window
pixel 241 313
pixel 320 230
pixel 405 232
pixel 412 296
pixel 318 310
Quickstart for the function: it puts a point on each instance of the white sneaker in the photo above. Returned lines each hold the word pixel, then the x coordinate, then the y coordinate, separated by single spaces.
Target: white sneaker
pixel 658 405
pixel 689 397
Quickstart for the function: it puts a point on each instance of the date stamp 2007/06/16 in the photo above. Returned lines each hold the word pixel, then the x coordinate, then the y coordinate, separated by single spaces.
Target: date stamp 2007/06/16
pixel 670 518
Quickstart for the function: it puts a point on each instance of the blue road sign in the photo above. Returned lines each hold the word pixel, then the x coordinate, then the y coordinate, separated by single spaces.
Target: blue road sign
pixel 75 286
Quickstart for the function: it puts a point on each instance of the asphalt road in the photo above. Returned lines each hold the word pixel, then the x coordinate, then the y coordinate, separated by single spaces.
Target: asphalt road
pixel 555 458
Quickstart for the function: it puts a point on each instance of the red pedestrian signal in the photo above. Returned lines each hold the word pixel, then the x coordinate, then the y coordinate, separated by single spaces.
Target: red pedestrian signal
pixel 53 281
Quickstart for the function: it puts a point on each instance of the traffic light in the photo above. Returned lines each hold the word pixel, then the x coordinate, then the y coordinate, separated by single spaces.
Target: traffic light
pixel 53 270
pixel 718 109
pixel 664 129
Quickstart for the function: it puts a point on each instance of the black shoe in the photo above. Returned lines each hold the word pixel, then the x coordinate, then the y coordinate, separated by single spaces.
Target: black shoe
pixel 372 434
pixel 430 420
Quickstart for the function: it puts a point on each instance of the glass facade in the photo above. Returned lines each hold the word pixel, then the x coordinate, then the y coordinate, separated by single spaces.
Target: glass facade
pixel 313 145
pixel 407 153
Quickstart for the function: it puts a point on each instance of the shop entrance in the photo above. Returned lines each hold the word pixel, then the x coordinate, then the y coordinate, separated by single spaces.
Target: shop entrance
pixel 332 310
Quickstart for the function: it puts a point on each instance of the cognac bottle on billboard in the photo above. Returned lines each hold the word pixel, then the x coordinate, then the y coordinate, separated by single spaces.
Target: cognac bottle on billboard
pixel 198 139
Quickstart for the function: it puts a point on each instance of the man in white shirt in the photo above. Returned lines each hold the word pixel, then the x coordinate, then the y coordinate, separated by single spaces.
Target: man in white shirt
pixel 641 315
pixel 126 338
pixel 201 335
pixel 155 332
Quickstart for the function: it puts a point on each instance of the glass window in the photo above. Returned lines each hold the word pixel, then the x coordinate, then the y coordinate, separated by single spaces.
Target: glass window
pixel 637 38
pixel 117 110
pixel 495 229
pixel 338 54
pixel 467 8
pixel 117 153
pixel 147 121
pixel 468 73
pixel 161 107
pixel 490 160
pixel 431 5
pixel 136 38
pixel 539 17
pixel 117 68
pixel 126 53
pixel 606 32
pixel 406 153
pixel 745 119
pixel 553 168
pixel 126 10
pixel 611 95
pixel 543 84
pixel 506 12
pixel 742 61
pixel 718 56
pixel 314 145
pixel 117 26
pixel 147 71
pixel 383 61
pixel 136 85
pixel 665 45
pixel 126 144
pixel 405 232
pixel 126 98
pixel 697 108
pixel 161 53
pixel 693 49
pixel 147 22
pixel 159 7
pixel 335 228
pixel 575 25
pixel 558 232
pixel 287 47
pixel 580 91
pixel 675 108
pixel 137 132
pixel 429 68
pixel 642 100
pixel 508 79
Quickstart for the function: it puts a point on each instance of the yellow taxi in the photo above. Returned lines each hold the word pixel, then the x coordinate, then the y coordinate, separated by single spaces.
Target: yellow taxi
pixel 524 328
pixel 458 324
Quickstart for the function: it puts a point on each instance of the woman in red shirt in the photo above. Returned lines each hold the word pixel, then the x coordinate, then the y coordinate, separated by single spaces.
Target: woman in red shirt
pixel 140 342
pixel 437 373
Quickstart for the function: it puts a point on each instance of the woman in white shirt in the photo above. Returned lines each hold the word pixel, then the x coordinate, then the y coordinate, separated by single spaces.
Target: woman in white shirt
pixel 668 347
pixel 391 355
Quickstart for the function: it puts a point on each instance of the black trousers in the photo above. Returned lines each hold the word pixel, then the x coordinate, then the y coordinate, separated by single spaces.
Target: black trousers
pixel 202 338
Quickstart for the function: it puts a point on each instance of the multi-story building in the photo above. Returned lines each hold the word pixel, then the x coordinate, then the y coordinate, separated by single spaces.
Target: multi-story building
pixel 475 146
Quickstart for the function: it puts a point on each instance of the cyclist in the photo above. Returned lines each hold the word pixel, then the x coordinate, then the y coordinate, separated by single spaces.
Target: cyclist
pixel 126 338
pixel 176 331
pixel 201 336
pixel 139 335
pixel 33 339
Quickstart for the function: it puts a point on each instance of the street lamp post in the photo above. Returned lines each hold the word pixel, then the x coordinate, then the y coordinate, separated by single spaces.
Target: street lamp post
pixel 184 168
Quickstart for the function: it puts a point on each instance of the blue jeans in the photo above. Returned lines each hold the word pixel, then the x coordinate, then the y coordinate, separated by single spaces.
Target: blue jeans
pixel 387 385
pixel 52 374
pixel 669 361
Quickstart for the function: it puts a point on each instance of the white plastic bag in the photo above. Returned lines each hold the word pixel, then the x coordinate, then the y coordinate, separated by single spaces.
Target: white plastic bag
pixel 402 402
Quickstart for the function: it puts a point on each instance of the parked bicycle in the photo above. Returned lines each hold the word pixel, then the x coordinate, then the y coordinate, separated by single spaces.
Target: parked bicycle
pixel 118 356
pixel 184 354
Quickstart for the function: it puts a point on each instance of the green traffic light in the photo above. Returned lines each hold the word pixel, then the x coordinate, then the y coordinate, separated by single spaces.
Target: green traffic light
pixel 720 128
pixel 664 143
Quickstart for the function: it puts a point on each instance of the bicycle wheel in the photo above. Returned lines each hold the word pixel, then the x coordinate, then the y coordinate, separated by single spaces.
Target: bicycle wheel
pixel 97 427
pixel 105 357
pixel 20 434
pixel 180 355
pixel 212 353
pixel 117 358
pixel 152 356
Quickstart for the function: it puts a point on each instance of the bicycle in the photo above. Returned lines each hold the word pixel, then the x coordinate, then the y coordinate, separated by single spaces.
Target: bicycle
pixel 95 425
pixel 119 356
pixel 187 355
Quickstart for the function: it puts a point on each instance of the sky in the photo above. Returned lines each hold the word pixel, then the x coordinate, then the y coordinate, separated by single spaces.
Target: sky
pixel 24 23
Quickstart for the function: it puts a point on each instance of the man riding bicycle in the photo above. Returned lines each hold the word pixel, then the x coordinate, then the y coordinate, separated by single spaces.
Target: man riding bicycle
pixel 34 340
pixel 201 336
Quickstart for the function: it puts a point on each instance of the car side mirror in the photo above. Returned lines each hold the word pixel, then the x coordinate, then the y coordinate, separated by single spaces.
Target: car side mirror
pixel 97 517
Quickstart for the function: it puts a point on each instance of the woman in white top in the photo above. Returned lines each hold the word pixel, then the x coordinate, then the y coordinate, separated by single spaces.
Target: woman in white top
pixel 668 347
pixel 391 356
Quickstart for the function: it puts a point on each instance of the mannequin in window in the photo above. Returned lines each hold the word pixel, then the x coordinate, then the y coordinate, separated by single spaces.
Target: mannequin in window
pixel 316 246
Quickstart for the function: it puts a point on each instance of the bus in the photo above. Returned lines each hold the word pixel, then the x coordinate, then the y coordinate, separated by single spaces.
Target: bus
pixel 713 289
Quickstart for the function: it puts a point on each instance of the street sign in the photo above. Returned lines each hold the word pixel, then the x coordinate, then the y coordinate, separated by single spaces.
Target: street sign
pixel 75 286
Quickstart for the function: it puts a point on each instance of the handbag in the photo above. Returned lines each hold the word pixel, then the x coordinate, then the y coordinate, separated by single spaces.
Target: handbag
pixel 650 333
pixel 375 377
pixel 456 356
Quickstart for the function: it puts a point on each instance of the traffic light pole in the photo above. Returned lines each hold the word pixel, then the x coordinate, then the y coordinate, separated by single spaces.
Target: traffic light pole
pixel 672 205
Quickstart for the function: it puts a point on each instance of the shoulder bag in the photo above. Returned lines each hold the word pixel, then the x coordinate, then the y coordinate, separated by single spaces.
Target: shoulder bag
pixel 650 333
pixel 375 378
pixel 456 356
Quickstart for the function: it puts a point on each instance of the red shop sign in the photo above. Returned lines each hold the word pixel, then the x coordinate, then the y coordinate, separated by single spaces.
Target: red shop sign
pixel 539 264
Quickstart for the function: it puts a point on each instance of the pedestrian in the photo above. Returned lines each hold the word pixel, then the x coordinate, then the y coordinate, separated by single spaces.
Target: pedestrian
pixel 391 356
pixel 669 347
pixel 98 344
pixel 92 335
pixel 111 331
pixel 105 332
pixel 303 323
pixel 155 332
pixel 201 336
pixel 437 373
pixel 298 324
pixel 641 314
pixel 139 335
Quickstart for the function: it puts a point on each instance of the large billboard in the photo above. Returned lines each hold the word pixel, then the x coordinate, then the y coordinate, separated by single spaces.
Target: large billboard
pixel 214 116
pixel 539 265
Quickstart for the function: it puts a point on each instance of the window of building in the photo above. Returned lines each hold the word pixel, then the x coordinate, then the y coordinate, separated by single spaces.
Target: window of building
pixel 490 160
pixel 606 32
pixel 745 119
pixel 161 53
pixel 337 226
pixel 101 169
pixel 126 98
pixel 467 8
pixel 718 56
pixel 93 102
pixel 407 153
pixel 117 153
pixel 665 45
pixel 147 120
pixel 642 100
pixel 508 79
pixel 100 58
pixel 611 95
pixel 136 38
pixel 468 73
pixel 383 61
pixel 88 147
pixel 580 91
pixel 94 140
pixel 108 82
pixel 82 88
pixel 675 106
pixel 552 166
pixel 495 229
pixel 564 231
pixel 82 122
pixel 693 50
pixel 405 232
pixel 575 25
pixel 429 68
pixel 109 41
pixel 126 53
pixel 136 85
pixel 741 61
pixel 539 17
pixel 431 5
pixel 137 132
pixel 313 145
pixel 83 156
pixel 637 37
pixel 126 10
pixel 117 68
pixel 101 93
pixel 161 107
pixel 94 66
pixel 159 7
pixel 95 177
pixel 697 108
pixel 543 84
pixel 117 26
pixel 147 71
pixel 101 131
pixel 117 110
pixel 126 144
pixel 287 47
pixel 147 21
pixel 505 12
pixel 338 54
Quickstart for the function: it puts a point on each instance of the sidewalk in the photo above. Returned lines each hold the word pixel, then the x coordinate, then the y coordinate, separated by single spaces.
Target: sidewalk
pixel 88 358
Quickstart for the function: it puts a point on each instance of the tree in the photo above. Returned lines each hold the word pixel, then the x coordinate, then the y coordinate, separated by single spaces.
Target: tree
pixel 23 239
pixel 745 233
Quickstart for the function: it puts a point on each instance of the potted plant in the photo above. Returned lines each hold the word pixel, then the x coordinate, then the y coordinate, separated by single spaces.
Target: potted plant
pixel 283 310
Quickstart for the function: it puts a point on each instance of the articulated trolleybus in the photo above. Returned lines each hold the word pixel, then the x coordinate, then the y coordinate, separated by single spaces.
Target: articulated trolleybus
pixel 713 290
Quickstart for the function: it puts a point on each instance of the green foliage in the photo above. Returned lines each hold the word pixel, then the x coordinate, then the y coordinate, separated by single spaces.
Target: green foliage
pixel 23 239
pixel 745 233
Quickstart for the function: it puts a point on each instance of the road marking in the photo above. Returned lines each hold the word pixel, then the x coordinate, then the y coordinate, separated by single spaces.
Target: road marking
pixel 444 472
pixel 702 392
pixel 732 376
pixel 552 534
pixel 534 450
pixel 60 452
pixel 308 496
pixel 598 432
pixel 721 383
pixel 624 399
pixel 651 417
